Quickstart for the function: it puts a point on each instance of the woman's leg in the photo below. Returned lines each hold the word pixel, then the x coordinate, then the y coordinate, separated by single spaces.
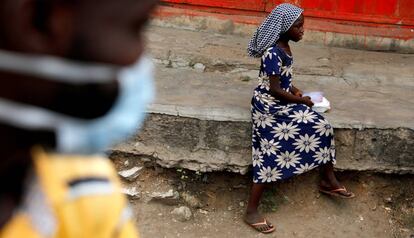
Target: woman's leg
pixel 254 200
pixel 329 180
pixel 252 214
pixel 328 175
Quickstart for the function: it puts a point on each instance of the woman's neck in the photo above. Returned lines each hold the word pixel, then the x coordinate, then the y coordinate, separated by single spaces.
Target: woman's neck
pixel 284 44
pixel 283 41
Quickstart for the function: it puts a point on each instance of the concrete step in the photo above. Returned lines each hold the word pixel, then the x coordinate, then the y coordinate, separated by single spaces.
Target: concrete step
pixel 201 118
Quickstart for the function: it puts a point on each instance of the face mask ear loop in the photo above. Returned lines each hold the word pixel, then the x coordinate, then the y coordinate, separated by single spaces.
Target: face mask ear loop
pixel 56 69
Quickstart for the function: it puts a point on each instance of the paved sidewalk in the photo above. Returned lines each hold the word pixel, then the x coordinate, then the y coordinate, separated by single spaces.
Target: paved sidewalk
pixel 366 89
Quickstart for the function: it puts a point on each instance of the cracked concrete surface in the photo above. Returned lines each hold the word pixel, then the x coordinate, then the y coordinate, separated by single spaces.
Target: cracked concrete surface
pixel 224 53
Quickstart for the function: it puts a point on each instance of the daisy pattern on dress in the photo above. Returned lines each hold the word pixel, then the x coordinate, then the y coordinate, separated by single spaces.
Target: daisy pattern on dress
pixel 265 98
pixel 268 174
pixel 287 159
pixel 262 120
pixel 306 143
pixel 304 168
pixel 264 83
pixel 298 140
pixel 333 147
pixel 267 54
pixel 285 131
pixel 255 134
pixel 323 155
pixel 257 157
pixel 287 70
pixel 323 128
pixel 284 111
pixel 303 116
pixel 269 147
pixel 333 151
pixel 279 64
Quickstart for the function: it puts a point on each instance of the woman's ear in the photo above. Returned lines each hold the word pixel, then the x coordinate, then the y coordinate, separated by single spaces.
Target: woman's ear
pixel 38 28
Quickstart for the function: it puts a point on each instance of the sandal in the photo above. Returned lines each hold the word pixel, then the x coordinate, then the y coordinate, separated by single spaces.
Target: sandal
pixel 337 192
pixel 263 227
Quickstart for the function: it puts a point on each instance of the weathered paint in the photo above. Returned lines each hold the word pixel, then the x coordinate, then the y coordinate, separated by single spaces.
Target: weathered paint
pixel 252 5
pixel 314 24
pixel 388 18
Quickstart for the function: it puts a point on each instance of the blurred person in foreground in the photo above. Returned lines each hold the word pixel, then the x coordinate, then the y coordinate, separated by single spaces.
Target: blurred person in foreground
pixel 73 81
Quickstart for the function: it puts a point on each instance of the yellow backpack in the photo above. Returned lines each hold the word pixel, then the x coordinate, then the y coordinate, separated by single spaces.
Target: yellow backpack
pixel 72 197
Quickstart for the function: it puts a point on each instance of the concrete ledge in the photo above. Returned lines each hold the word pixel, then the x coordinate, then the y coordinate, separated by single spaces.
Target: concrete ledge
pixel 208 113
pixel 242 115
pixel 208 145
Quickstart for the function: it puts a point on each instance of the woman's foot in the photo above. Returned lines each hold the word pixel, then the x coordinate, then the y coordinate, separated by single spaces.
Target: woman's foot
pixel 258 222
pixel 330 185
pixel 334 188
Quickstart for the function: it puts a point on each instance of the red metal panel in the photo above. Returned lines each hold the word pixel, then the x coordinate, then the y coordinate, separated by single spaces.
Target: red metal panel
pixel 252 5
pixel 316 24
pixel 370 11
pixel 309 4
pixel 350 6
pixel 398 12
pixel 406 9
pixel 271 4
pixel 369 7
pixel 380 7
pixel 323 5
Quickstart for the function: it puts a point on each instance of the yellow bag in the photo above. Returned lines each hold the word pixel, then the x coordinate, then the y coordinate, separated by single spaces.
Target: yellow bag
pixel 82 199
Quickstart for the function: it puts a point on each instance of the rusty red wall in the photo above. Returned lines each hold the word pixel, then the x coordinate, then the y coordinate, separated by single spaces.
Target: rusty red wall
pixel 384 13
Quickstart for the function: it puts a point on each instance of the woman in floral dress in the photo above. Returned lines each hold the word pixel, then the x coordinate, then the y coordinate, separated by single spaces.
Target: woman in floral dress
pixel 289 138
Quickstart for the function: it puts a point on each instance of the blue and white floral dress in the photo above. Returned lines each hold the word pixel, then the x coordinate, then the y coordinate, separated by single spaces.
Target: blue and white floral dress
pixel 288 138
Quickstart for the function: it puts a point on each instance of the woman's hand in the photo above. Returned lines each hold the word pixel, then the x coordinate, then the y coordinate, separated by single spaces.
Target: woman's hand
pixel 297 92
pixel 307 101
pixel 294 96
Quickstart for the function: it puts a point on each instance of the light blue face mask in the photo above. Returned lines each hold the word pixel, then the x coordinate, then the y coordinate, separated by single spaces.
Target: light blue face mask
pixel 76 136
pixel 121 122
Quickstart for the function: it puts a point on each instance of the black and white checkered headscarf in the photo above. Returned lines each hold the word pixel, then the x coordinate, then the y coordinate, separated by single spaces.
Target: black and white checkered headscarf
pixel 277 23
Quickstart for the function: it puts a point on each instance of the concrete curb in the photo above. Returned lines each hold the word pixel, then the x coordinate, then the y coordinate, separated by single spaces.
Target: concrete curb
pixel 241 115
pixel 174 141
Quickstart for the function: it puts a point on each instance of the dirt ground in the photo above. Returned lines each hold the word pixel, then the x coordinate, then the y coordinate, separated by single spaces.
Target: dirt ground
pixel 384 206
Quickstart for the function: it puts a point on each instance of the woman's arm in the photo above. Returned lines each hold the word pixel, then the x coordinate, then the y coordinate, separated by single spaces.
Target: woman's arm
pixel 296 91
pixel 279 93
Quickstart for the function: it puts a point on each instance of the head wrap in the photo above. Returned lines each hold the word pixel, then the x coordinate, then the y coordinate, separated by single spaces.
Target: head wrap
pixel 278 22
